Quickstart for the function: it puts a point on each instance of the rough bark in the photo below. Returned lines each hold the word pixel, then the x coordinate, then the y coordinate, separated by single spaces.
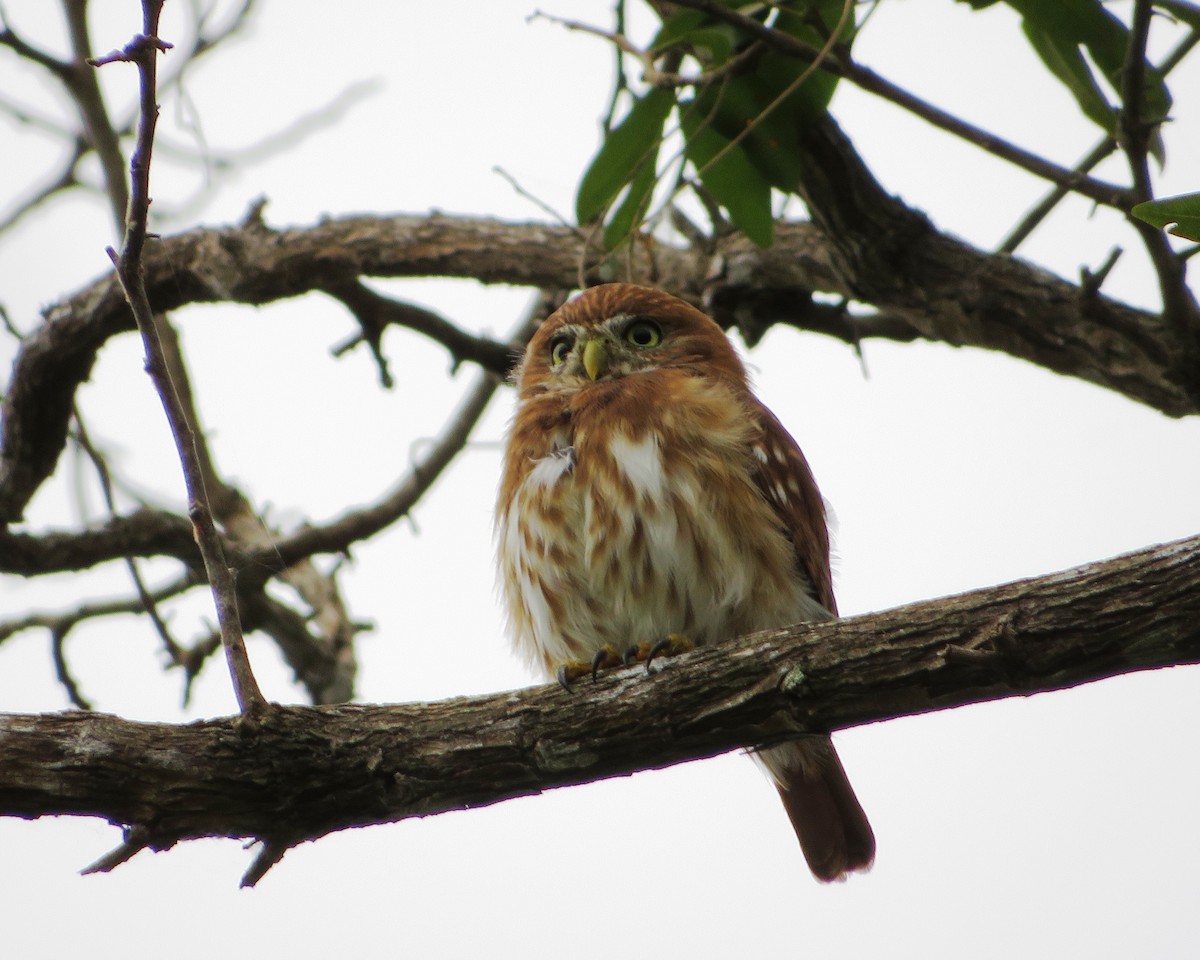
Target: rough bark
pixel 301 772
pixel 941 289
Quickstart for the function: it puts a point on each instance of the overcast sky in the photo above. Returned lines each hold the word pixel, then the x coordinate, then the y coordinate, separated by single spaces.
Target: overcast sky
pixel 1062 824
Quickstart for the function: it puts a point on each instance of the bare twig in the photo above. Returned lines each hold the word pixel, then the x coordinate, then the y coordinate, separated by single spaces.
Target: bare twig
pixel 89 611
pixel 136 840
pixel 337 535
pixel 84 88
pixel 269 854
pixel 375 313
pixel 1104 148
pixel 537 202
pixel 1053 198
pixel 66 179
pixel 149 606
pixel 143 50
pixel 8 38
pixel 57 637
pixel 652 74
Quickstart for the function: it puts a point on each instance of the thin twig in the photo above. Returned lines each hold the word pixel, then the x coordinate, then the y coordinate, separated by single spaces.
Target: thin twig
pixel 56 620
pixel 268 855
pixel 818 61
pixel 149 606
pixel 536 201
pixel 84 88
pixel 66 179
pixel 338 535
pixel 843 66
pixel 136 840
pixel 1020 233
pixel 143 50
pixel 58 636
pixel 22 48
pixel 375 313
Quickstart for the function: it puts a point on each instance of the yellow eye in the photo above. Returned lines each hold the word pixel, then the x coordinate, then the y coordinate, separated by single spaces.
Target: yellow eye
pixel 644 333
pixel 560 346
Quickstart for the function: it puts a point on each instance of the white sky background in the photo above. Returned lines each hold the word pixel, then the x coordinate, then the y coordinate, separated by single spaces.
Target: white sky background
pixel 1063 824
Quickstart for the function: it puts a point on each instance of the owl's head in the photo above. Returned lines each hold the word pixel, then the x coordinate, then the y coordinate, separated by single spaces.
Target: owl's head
pixel 620 330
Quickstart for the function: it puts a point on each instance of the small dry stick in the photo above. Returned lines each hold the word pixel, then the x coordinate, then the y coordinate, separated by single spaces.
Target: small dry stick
pixel 143 51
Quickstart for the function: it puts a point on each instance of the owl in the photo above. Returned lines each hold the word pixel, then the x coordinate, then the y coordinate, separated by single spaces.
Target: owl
pixel 647 494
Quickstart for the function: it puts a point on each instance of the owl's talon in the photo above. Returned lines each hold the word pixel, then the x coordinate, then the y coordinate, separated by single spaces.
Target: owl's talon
pixel 570 671
pixel 605 657
pixel 630 656
pixel 672 645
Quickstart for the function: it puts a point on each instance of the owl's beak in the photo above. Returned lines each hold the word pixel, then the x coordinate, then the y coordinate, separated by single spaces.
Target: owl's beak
pixel 594 357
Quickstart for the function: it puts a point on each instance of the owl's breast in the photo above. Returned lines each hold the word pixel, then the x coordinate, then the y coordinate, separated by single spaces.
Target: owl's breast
pixel 627 529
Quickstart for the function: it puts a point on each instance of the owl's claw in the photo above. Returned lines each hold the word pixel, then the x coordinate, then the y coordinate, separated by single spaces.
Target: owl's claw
pixel 672 645
pixel 572 670
pixel 605 657
pixel 567 673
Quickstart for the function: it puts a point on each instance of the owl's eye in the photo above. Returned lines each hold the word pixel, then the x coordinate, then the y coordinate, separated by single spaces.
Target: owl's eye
pixel 644 333
pixel 560 346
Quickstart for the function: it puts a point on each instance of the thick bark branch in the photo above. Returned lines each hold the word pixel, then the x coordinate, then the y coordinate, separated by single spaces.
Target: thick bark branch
pixel 302 772
pixel 940 289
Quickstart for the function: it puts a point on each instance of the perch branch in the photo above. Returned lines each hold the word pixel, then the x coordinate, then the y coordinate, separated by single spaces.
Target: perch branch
pixel 303 772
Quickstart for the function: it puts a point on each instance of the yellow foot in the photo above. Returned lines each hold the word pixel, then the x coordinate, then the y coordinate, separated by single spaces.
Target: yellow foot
pixel 607 657
pixel 572 670
pixel 671 645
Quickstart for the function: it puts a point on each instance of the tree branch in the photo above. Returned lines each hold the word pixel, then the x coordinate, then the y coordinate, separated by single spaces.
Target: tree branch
pixel 143 50
pixel 844 66
pixel 303 772
pixel 941 287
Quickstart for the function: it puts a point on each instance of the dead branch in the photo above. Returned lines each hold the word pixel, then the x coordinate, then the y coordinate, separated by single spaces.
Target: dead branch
pixel 143 50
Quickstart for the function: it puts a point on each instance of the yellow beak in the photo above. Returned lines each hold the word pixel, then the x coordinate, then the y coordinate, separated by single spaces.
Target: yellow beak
pixel 594 356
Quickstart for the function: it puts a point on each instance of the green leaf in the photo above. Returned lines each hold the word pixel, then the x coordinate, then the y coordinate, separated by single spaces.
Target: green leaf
pixel 1071 24
pixel 813 96
pixel 712 44
pixel 732 180
pixel 628 148
pixel 676 27
pixel 772 144
pixel 1067 63
pixel 1181 213
pixel 1189 13
pixel 632 210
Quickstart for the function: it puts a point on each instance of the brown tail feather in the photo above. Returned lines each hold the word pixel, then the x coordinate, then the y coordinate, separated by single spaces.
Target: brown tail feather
pixel 830 824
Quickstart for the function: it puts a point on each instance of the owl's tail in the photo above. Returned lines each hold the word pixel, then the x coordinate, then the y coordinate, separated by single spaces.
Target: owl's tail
pixel 828 819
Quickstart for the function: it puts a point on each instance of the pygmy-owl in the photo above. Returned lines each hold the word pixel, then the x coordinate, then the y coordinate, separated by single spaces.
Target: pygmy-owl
pixel 647 492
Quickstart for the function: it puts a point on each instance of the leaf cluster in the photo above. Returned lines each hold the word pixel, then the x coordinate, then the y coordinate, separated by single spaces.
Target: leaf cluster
pixel 738 100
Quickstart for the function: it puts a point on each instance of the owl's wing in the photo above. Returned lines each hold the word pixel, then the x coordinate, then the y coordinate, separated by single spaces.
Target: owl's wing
pixel 787 483
pixel 832 828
